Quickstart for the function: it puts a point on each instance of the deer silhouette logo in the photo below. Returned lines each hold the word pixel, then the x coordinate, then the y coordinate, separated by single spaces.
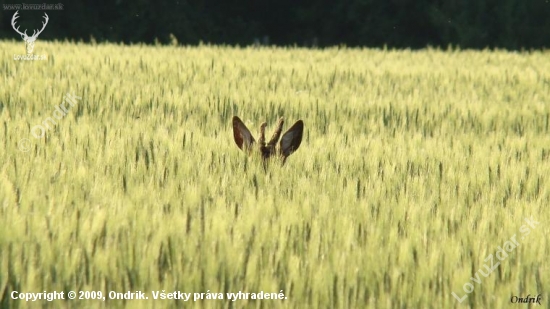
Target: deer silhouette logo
pixel 29 40
pixel 290 141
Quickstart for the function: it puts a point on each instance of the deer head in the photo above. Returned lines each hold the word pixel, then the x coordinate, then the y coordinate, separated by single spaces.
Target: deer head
pixel 29 40
pixel 290 141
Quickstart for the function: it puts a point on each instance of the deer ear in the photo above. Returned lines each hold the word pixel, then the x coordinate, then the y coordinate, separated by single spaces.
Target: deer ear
pixel 292 139
pixel 241 134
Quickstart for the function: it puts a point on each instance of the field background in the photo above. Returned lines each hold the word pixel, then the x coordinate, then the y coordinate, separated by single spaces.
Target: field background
pixel 415 165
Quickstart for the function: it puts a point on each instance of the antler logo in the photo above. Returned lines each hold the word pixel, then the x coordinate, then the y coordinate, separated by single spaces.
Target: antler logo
pixel 290 141
pixel 29 40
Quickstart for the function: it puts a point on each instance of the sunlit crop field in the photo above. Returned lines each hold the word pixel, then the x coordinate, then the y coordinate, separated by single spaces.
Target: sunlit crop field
pixel 415 166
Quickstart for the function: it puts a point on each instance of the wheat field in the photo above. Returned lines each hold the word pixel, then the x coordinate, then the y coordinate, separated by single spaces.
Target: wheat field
pixel 415 166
